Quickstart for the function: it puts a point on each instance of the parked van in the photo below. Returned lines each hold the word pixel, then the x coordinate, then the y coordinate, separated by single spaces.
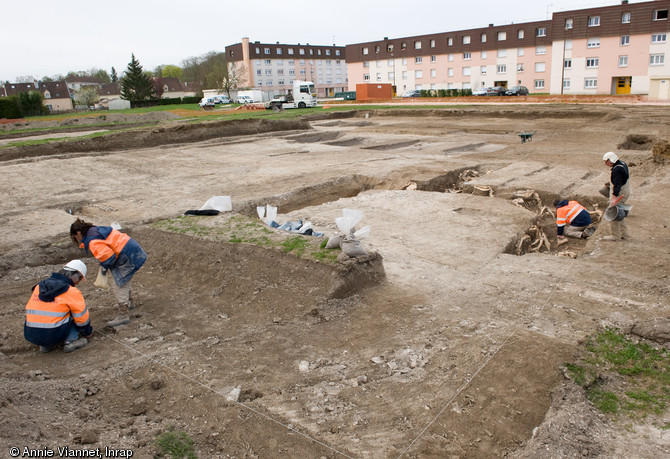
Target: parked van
pixel 207 102
pixel 244 100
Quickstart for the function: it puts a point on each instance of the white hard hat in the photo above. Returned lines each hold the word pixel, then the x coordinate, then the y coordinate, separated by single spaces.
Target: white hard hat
pixel 611 156
pixel 76 265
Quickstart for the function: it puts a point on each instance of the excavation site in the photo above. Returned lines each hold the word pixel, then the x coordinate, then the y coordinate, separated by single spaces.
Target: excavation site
pixel 450 336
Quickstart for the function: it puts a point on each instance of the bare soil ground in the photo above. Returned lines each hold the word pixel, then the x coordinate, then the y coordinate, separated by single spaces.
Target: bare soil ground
pixel 451 345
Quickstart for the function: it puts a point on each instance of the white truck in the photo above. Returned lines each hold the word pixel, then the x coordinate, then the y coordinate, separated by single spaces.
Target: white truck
pixel 302 96
pixel 249 96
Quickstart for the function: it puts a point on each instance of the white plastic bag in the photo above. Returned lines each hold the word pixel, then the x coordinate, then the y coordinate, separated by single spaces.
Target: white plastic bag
pixel 101 280
pixel 220 203
pixel 304 228
pixel 349 219
pixel 363 232
pixel 270 214
pixel 260 210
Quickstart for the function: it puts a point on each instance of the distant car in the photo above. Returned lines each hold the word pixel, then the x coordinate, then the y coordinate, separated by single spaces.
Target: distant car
pixel 517 91
pixel 222 100
pixel 496 91
pixel 480 91
pixel 412 93
pixel 207 102
pixel 244 100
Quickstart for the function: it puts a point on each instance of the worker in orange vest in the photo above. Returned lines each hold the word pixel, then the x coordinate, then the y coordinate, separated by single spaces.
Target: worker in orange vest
pixel 117 253
pixel 572 220
pixel 56 311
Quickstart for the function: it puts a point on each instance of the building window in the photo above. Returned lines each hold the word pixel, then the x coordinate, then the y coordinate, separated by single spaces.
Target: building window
pixel 376 50
pixel 390 62
pixel 366 77
pixel 466 71
pixel 483 54
pixel 391 76
pixel 568 44
pixel 267 50
pixel 483 70
pixel 268 72
pixel 593 43
pixel 311 52
pixel 623 61
pixel 280 82
pixel 540 67
pixel 519 51
pixel 303 72
pixel 541 32
pixel 365 51
pixel 379 64
pixel 519 68
pixel 661 15
pixel 258 50
pixel 567 64
pixel 450 41
pixel 483 38
pixel 418 60
pixel 433 73
pixel 268 62
pixel 329 62
pixel 566 83
pixel 403 45
pixel 540 50
pixel 404 74
pixel 379 77
pixel 658 38
pixel 538 84
pixel 450 57
pixel 259 72
pixel 389 48
pixel 594 21
pixel 290 50
pixel 590 83
pixel 502 53
pixel 432 43
pixel 625 18
pixel 433 58
pixel 280 72
pixel 279 51
pixel 417 45
pixel 569 23
pixel 404 61
pixel 450 72
pixel 625 40
pixel 656 59
pixel 467 56
pixel 418 74
pixel 279 62
pixel 520 34
pixel 291 71
pixel 592 62
pixel 501 68
pixel 466 39
pixel 366 64
pixel 302 61
pixel 337 52
pixel 502 36
pixel 301 51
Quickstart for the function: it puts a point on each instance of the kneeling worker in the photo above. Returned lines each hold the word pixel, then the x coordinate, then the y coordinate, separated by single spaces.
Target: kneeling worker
pixel 572 220
pixel 56 311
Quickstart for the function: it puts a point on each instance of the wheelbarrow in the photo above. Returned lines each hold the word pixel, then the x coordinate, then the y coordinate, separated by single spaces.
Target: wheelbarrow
pixel 526 136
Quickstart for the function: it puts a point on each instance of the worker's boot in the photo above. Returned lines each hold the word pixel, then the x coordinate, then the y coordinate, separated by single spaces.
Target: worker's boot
pixel 123 317
pixel 46 349
pixel 74 345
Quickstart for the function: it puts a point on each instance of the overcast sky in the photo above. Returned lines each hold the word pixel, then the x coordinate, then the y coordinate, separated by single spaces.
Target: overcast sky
pixel 47 37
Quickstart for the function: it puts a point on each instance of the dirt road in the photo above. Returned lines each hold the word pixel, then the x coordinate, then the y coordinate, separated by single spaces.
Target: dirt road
pixel 457 353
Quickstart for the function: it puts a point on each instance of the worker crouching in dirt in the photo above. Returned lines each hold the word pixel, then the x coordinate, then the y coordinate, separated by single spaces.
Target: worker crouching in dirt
pixel 56 312
pixel 117 253
pixel 572 220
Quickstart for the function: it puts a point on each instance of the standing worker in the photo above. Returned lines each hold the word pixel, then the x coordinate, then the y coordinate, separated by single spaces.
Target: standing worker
pixel 117 252
pixel 56 311
pixel 572 220
pixel 619 193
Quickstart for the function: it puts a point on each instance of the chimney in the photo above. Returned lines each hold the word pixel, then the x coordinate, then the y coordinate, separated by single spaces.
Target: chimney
pixel 624 2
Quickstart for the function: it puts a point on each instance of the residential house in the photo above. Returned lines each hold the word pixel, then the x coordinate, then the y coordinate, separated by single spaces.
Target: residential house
pixel 56 94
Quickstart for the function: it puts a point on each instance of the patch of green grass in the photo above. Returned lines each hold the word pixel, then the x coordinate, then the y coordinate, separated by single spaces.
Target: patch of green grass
pixel 240 229
pixel 175 444
pixel 622 375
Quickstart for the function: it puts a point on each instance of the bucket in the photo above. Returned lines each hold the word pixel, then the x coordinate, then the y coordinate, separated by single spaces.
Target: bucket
pixel 626 209
pixel 614 213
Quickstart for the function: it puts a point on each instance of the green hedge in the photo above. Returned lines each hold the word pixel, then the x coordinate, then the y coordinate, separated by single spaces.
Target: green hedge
pixel 10 108
pixel 169 101
pixel 445 92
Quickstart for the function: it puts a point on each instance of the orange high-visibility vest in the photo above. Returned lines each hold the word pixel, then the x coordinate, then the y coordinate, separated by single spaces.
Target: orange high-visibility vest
pixel 104 249
pixel 43 314
pixel 565 214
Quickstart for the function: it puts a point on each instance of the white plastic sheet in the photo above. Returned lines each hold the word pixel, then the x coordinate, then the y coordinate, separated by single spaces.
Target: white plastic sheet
pixel 220 203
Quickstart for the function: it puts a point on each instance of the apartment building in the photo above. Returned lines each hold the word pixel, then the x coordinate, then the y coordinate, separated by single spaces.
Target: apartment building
pixel 274 67
pixel 616 49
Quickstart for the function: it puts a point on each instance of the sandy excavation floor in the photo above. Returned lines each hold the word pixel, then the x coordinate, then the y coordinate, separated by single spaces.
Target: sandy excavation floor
pixel 459 352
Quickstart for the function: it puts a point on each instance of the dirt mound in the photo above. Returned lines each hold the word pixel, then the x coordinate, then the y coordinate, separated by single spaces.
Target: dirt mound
pixel 661 151
pixel 156 136
pixel 637 142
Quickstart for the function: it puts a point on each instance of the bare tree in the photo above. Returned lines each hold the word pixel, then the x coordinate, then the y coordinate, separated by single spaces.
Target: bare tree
pixel 87 95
